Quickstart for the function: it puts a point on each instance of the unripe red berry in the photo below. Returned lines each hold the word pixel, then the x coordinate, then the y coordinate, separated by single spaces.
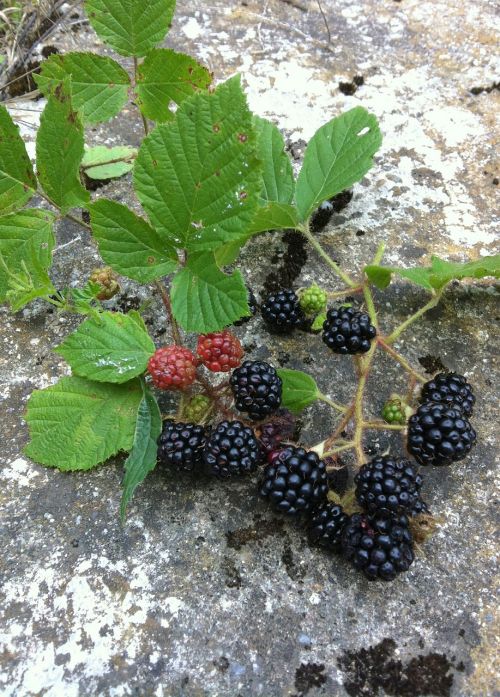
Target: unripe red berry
pixel 172 368
pixel 220 351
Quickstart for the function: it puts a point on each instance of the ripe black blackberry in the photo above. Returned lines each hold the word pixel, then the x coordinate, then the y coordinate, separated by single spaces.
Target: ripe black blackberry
pixel 451 389
pixel 348 331
pixel 281 311
pixel 381 545
pixel 256 388
pixel 232 448
pixel 180 445
pixel 294 480
pixel 326 525
pixel 439 434
pixel 388 482
pixel 252 304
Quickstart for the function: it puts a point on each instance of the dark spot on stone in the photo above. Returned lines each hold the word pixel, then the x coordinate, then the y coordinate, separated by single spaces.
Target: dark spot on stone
pixel 360 233
pixel 261 529
pixel 495 181
pixel 368 672
pixel 309 675
pixel 348 88
pixel 185 681
pixel 62 658
pixel 296 148
pixel 233 577
pixel 294 570
pixel 461 633
pixel 293 260
pixel 93 184
pixel 49 51
pixel 283 358
pixel 74 543
pixel 21 80
pixel 86 217
pixel 128 302
pixel 432 364
pixel 479 90
pixel 105 630
pixel 358 80
pixel 221 663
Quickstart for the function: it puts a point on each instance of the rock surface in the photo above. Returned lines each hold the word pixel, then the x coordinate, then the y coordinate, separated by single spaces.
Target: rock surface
pixel 203 591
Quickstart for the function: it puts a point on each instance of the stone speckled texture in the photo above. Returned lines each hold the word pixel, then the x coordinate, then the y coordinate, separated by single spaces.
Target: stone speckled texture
pixel 204 592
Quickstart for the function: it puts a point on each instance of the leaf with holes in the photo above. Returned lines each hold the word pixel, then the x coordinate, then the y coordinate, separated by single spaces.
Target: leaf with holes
pixel 278 178
pixel 339 154
pixel 299 390
pixel 77 424
pixel 111 347
pixel 166 76
pixel 99 86
pixel 17 179
pixel 131 27
pixel 204 299
pixel 198 177
pixel 142 457
pixel 59 150
pixel 101 162
pixel 129 244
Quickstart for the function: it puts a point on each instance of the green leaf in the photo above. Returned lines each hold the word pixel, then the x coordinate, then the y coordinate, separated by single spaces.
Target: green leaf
pixel 131 27
pixel 438 274
pixel 338 155
pixel 108 348
pixel 197 176
pixel 167 76
pixel 274 216
pixel 26 244
pixel 204 299
pixel 129 244
pixel 76 424
pixel 279 183
pixel 101 162
pixel 99 86
pixel 59 150
pixel 17 179
pixel 142 458
pixel 299 390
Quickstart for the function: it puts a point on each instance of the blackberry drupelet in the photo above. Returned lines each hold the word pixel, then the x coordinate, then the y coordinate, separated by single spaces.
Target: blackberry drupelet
pixel 381 546
pixel 348 331
pixel 451 389
pixel 326 525
pixel 439 434
pixel 180 445
pixel 294 480
pixel 388 482
pixel 253 305
pixel 281 311
pixel 256 388
pixel 232 448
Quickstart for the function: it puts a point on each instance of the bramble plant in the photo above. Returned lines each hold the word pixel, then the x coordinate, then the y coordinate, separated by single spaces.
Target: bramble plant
pixel 209 175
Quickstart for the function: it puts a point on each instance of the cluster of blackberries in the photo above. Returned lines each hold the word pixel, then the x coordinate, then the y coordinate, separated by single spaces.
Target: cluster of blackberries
pixel 440 432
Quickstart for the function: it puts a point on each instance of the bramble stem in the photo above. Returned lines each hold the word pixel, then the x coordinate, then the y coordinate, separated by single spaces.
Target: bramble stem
pixel 382 426
pixel 413 318
pixel 370 306
pixel 400 359
pixel 326 257
pixel 168 307
pixel 334 405
pixel 69 216
pixel 144 119
pixel 346 291
pixel 364 370
pixel 339 449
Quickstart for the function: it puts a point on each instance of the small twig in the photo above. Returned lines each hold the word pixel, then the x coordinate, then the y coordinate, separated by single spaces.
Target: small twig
pixel 346 291
pixel 325 21
pixel 382 426
pixel 168 307
pixel 335 405
pixel 326 257
pixel 400 359
pixel 347 446
pixel 413 318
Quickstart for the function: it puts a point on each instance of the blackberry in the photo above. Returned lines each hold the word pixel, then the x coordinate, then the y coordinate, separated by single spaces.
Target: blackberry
pixel 256 388
pixel 180 445
pixel 388 482
pixel 439 434
pixel 294 480
pixel 253 305
pixel 326 525
pixel 394 411
pixel 348 331
pixel 231 449
pixel 279 429
pixel 313 300
pixel 451 389
pixel 381 546
pixel 281 311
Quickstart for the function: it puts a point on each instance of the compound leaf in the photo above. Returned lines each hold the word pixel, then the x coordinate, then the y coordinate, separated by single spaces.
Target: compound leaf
pixel 59 150
pixel 339 154
pixel 17 179
pixel 142 457
pixel 299 389
pixel 197 176
pixel 129 244
pixel 278 178
pixel 99 86
pixel 111 347
pixel 131 27
pixel 101 162
pixel 204 299
pixel 77 423
pixel 166 76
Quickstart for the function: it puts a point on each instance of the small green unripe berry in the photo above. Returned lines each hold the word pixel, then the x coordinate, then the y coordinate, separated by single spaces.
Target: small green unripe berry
pixel 312 300
pixel 107 280
pixel 197 408
pixel 394 411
